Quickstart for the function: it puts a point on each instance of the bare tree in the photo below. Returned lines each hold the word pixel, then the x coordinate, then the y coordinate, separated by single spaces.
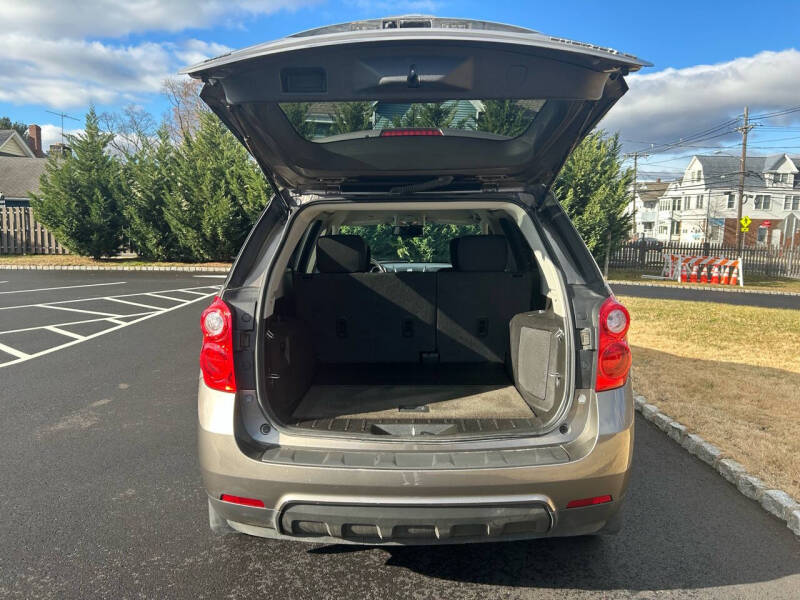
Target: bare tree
pixel 133 129
pixel 183 95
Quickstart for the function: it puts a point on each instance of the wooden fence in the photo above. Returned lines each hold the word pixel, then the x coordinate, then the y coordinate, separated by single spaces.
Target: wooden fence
pixel 21 234
pixel 763 261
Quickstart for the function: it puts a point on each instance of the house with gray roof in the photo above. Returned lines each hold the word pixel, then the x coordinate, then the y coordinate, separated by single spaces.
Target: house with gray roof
pixel 645 202
pixel 22 163
pixel 702 205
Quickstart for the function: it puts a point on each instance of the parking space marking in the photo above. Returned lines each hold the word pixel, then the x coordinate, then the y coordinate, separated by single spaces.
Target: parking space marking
pixel 163 297
pixel 80 310
pixel 202 292
pixel 121 301
pixel 63 287
pixel 13 352
pixel 55 329
pixel 191 290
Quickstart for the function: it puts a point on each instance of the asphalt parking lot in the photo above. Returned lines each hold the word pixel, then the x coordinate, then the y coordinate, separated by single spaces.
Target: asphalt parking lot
pixel 101 495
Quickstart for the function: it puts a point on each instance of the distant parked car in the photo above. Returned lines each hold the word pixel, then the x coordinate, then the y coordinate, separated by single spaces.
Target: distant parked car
pixel 344 397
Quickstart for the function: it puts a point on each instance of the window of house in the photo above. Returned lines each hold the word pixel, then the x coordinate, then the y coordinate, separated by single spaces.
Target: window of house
pixel 676 227
pixel 762 202
pixel 782 178
pixel 676 203
pixel 795 202
pixel 700 201
pixel 664 205
pixel 731 201
pixel 791 202
pixel 662 229
pixel 762 235
pixel 648 226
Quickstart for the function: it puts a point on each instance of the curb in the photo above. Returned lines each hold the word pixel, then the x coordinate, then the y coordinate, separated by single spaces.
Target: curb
pixel 706 288
pixel 120 268
pixel 776 502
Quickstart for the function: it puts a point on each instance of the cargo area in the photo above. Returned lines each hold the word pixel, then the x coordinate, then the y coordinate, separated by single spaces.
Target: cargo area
pixel 363 398
pixel 467 345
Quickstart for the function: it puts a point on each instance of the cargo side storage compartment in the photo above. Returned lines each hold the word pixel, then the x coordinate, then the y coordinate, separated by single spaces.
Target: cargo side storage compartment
pixel 538 360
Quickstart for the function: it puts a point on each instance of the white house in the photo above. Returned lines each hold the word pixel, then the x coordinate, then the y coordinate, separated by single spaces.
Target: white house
pixel 646 203
pixel 702 205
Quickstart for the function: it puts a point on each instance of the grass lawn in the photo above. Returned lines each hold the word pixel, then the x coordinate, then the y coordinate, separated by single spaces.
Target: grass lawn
pixel 64 260
pixel 751 282
pixel 729 373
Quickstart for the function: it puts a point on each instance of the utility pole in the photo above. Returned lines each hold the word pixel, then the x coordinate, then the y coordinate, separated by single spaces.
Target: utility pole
pixel 635 156
pixel 744 129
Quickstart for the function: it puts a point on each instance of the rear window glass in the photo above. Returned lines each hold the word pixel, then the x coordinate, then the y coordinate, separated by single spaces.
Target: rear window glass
pixel 410 243
pixel 329 121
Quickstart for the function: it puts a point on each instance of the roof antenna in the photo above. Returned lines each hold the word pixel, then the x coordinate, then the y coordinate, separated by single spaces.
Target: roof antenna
pixel 62 115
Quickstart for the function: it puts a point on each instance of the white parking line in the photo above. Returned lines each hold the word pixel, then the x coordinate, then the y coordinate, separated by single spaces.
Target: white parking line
pixel 80 310
pixel 163 297
pixel 189 290
pixel 14 352
pixel 132 303
pixel 55 329
pixel 63 287
pixel 210 276
pixel 118 324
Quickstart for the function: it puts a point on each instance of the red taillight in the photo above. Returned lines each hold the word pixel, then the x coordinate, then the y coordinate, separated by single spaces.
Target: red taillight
pixel 613 352
pixel 589 501
pixel 242 501
pixel 216 355
pixel 411 131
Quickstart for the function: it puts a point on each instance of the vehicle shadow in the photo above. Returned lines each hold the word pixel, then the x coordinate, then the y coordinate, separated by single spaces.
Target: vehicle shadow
pixel 684 528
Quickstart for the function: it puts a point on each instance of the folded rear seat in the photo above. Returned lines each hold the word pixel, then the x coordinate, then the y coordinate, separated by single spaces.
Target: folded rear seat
pixel 477 299
pixel 360 317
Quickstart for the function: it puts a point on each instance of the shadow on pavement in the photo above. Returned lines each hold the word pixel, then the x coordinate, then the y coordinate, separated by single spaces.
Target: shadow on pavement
pixel 685 527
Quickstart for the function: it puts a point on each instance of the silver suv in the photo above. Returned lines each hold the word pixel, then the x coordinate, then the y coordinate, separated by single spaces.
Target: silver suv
pixel 414 346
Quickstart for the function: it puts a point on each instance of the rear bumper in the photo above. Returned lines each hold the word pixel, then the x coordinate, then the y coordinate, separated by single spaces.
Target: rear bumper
pixel 415 506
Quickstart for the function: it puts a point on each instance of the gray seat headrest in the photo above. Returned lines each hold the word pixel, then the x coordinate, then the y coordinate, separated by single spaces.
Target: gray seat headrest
pixel 342 254
pixel 479 253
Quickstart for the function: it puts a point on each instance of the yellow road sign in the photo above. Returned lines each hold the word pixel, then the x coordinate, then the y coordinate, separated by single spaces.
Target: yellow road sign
pixel 745 221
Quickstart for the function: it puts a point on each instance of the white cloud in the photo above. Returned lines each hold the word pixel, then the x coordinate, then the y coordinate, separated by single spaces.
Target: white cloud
pixel 674 103
pixel 115 18
pixel 63 54
pixel 68 73
pixel 51 134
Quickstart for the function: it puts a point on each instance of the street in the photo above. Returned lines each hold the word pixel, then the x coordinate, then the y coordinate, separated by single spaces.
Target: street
pixel 101 494
pixel 666 292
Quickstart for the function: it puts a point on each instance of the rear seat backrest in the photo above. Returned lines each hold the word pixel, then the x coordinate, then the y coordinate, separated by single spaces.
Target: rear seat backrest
pixel 356 316
pixel 476 300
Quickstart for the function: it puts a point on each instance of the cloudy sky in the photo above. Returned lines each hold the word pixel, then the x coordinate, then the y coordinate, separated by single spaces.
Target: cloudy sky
pixel 710 59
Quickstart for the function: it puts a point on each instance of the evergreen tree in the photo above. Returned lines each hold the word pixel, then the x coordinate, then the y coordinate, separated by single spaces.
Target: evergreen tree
pixel 429 114
pixel 437 114
pixel 81 193
pixel 297 113
pixel 504 117
pixel 216 195
pixel 593 189
pixel 149 176
pixel 351 116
